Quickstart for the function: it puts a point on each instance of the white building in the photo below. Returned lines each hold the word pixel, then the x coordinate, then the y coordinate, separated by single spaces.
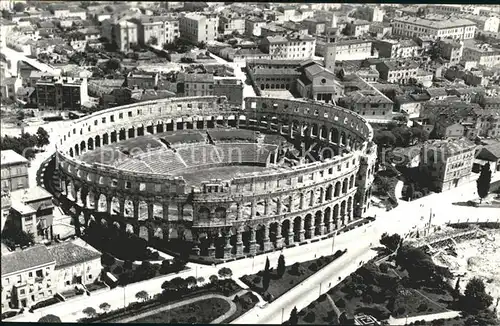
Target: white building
pixel 197 28
pixel 345 50
pixel 293 47
pixel 483 54
pixel 435 26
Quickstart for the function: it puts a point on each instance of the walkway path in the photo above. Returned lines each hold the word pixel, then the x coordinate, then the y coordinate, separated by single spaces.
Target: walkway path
pixel 229 313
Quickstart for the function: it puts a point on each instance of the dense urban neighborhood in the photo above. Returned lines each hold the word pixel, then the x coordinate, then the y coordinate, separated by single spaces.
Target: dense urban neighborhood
pixel 284 163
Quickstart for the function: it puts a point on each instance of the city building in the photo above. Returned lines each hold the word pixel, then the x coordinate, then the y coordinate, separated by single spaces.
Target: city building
pixel 122 33
pixel 380 30
pixel 448 162
pixel 318 83
pixel 14 170
pixel 370 103
pixel 357 27
pixel 197 28
pixel 142 79
pixel 76 263
pixel 345 50
pixel 32 212
pixel 294 47
pixel 315 26
pixel 273 74
pixel 397 49
pixel 230 87
pixel 61 93
pixel 484 23
pixel 272 29
pixel 484 54
pixel 491 154
pixel 198 84
pixel 27 277
pixel 5 207
pixel 451 50
pixel 157 30
pixel 435 26
pixel 253 25
pixel 230 22
pixel 397 71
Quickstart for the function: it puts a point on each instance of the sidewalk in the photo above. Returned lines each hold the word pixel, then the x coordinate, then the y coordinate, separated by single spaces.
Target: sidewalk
pixel 430 317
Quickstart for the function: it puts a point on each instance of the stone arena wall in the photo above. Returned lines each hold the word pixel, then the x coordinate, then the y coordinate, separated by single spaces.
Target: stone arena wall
pixel 306 200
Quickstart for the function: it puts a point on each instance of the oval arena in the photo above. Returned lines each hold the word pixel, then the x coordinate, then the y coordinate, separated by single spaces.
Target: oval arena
pixel 221 181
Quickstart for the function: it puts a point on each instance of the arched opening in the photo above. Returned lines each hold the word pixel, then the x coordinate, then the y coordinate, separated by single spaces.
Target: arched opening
pixel 297 228
pixel 308 226
pixel 344 186
pixel 318 223
pixel 285 228
pixel 337 189
pixel 351 182
pixel 329 193
pixel 326 219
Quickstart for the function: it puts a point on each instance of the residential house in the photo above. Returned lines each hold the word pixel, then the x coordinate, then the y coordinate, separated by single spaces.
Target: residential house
pixel 10 87
pixel 197 28
pixel 27 277
pixel 231 88
pixel 230 22
pixel 397 49
pixel 253 25
pixel 273 74
pixel 61 93
pixel 14 169
pixel 198 84
pixel 357 27
pixel 370 103
pixel 157 30
pixel 397 71
pixel 491 154
pixel 122 33
pixel 347 50
pixel 484 23
pixel 295 47
pixel 380 29
pixel 451 49
pixel 315 26
pixel 483 54
pixel 142 79
pixel 448 162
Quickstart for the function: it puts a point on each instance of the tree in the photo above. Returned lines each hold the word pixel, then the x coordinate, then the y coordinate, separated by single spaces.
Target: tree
pixel 113 64
pixel 107 259
pixel 281 265
pixel 90 312
pixel 49 318
pixel 153 40
pixel 213 278
pixel 410 192
pixel 475 296
pixel 104 307
pixel 294 318
pixel 390 242
pixel 456 291
pixel 200 279
pixel 267 267
pixel 383 184
pixel 266 279
pixel 202 45
pixel 225 272
pixel 142 295
pixel 191 281
pixel 483 182
pixel 19 7
pixel 43 137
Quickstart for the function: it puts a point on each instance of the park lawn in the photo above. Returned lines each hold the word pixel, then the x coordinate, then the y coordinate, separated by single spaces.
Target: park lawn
pixel 280 285
pixel 317 312
pixel 200 312
pixel 242 308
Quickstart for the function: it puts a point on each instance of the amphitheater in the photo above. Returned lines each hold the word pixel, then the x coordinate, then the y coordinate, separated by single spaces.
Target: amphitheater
pixel 223 181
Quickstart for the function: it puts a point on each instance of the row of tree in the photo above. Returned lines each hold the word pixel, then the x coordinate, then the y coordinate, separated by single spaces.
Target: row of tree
pixel 27 144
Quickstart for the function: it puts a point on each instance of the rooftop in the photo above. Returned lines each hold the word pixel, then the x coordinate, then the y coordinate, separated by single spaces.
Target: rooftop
pixel 29 258
pixel 449 147
pixel 73 252
pixel 10 157
pixel 199 78
pixel 435 21
pixel 30 194
pixel 399 65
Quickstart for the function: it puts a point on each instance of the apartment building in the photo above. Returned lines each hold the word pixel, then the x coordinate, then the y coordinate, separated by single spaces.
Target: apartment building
pixel 61 93
pixel 448 162
pixel 370 103
pixel 142 79
pixel 274 74
pixel 315 26
pixel 14 169
pixel 293 47
pixel 357 28
pixel 32 212
pixel 380 30
pixel 37 273
pixel 397 71
pixel 346 50
pixel 27 277
pixel 122 33
pixel 230 87
pixel 435 26
pixel 253 25
pixel 483 54
pixel 397 49
pixel 451 50
pixel 157 30
pixel 484 23
pixel 230 22
pixel 198 84
pixel 197 28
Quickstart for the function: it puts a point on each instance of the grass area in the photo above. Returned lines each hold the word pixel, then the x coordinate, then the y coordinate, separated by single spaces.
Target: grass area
pixel 204 311
pixel 293 276
pixel 373 292
pixel 245 303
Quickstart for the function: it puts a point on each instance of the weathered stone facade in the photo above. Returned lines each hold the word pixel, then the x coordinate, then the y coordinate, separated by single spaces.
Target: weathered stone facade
pixel 225 218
